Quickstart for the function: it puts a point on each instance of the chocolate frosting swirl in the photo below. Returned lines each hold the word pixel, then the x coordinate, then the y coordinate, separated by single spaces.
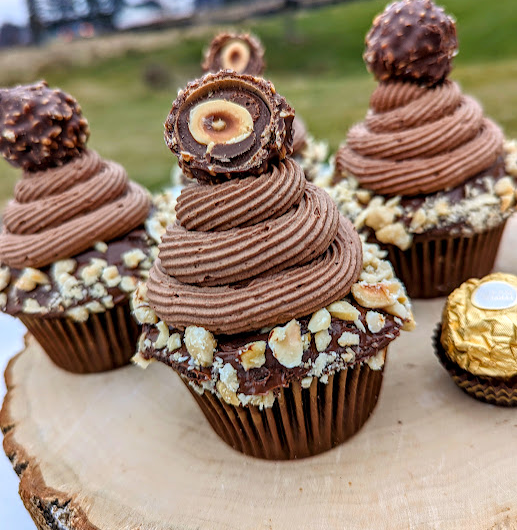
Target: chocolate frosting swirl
pixel 256 250
pixel 63 211
pixel 241 202
pixel 419 140
pixel 265 300
pixel 295 238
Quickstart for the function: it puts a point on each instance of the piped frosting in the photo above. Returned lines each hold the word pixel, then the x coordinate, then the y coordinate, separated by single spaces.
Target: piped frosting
pixel 253 251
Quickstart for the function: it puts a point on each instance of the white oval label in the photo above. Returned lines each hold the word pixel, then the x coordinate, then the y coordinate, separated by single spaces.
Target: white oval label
pixel 495 295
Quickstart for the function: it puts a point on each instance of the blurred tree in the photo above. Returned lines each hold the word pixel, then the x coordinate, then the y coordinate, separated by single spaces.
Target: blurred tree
pixel 34 21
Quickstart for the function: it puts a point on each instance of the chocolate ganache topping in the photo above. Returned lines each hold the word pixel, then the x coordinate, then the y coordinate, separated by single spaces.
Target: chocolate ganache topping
pixel 225 126
pixel 253 251
pixel 418 139
pixel 64 208
pixel 242 53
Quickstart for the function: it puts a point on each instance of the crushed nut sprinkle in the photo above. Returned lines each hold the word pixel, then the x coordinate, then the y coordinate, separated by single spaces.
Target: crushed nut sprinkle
pixel 286 344
pixel 253 355
pixel 484 205
pixel 200 344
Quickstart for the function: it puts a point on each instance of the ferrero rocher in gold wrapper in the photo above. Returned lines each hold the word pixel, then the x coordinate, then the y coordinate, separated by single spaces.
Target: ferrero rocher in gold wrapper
pixel 478 341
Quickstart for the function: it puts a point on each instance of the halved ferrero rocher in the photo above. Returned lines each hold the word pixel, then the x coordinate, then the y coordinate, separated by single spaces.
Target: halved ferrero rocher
pixel 228 125
pixel 40 127
pixel 242 53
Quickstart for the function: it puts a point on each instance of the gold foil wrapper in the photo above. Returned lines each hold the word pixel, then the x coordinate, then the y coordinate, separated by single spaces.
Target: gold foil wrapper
pixel 479 326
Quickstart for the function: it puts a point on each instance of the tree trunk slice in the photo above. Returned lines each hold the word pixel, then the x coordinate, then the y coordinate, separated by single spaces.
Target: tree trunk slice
pixel 130 450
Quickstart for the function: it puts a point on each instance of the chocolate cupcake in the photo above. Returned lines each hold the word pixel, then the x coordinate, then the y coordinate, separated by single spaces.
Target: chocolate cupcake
pixel 427 167
pixel 476 340
pixel 263 297
pixel 73 245
pixel 244 54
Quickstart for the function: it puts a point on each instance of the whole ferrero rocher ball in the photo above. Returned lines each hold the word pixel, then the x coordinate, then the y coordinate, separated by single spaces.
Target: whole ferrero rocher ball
pixel 40 127
pixel 412 40
pixel 227 125
pixel 243 53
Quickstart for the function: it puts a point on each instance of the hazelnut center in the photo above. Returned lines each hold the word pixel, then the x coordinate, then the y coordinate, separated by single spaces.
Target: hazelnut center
pixel 235 55
pixel 218 121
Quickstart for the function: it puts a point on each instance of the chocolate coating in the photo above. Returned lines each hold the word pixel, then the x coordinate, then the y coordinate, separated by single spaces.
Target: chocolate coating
pixel 273 375
pixel 412 40
pixel 270 140
pixel 40 128
pixel 214 61
pixel 46 295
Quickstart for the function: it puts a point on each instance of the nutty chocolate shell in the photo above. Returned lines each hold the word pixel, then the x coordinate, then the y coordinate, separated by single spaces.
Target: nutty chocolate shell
pixel 227 125
pixel 242 53
pixel 412 40
pixel 40 128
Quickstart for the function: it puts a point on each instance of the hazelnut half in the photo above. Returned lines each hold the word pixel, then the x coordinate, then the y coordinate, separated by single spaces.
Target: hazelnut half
pixel 219 122
pixel 235 55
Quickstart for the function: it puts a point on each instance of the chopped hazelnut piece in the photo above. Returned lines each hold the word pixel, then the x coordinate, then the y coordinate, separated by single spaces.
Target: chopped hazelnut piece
pixel 132 258
pixel 319 321
pixel 174 342
pixel 343 310
pixel 200 344
pixel 163 336
pixel 322 340
pixel 286 344
pixel 376 295
pixel 5 277
pixel 348 339
pixel 253 355
pixel 375 321
pixel 395 234
pixel 30 278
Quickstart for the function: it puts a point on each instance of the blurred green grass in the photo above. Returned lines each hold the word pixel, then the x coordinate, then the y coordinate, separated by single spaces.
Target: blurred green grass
pixel 314 59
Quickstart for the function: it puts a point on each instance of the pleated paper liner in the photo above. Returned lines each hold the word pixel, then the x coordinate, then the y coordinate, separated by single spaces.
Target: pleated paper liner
pixel 104 342
pixel 303 421
pixel 434 267
pixel 488 389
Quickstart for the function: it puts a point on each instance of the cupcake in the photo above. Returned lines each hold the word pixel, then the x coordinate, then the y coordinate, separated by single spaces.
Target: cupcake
pixel 428 169
pixel 476 341
pixel 73 246
pixel 244 54
pixel 263 298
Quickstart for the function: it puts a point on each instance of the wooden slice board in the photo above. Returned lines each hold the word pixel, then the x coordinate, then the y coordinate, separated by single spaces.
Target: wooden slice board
pixel 130 450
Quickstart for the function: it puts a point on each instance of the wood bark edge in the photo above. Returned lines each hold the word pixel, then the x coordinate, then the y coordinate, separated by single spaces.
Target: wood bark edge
pixel 49 508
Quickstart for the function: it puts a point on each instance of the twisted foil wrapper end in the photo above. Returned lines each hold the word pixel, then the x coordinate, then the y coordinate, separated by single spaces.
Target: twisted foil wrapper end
pixel 479 326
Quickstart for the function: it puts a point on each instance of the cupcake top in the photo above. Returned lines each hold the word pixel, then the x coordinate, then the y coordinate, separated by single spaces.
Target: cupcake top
pixel 424 146
pixel 478 326
pixel 421 135
pixel 69 198
pixel 73 238
pixel 250 286
pixel 242 53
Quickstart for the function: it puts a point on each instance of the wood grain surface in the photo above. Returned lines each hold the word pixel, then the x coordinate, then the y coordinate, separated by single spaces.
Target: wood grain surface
pixel 130 450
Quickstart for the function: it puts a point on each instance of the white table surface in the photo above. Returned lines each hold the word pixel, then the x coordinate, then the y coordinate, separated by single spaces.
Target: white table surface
pixel 13 515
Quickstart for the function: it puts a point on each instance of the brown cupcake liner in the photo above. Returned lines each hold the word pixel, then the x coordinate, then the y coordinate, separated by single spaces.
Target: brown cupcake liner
pixel 303 421
pixel 434 267
pixel 489 390
pixel 104 342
